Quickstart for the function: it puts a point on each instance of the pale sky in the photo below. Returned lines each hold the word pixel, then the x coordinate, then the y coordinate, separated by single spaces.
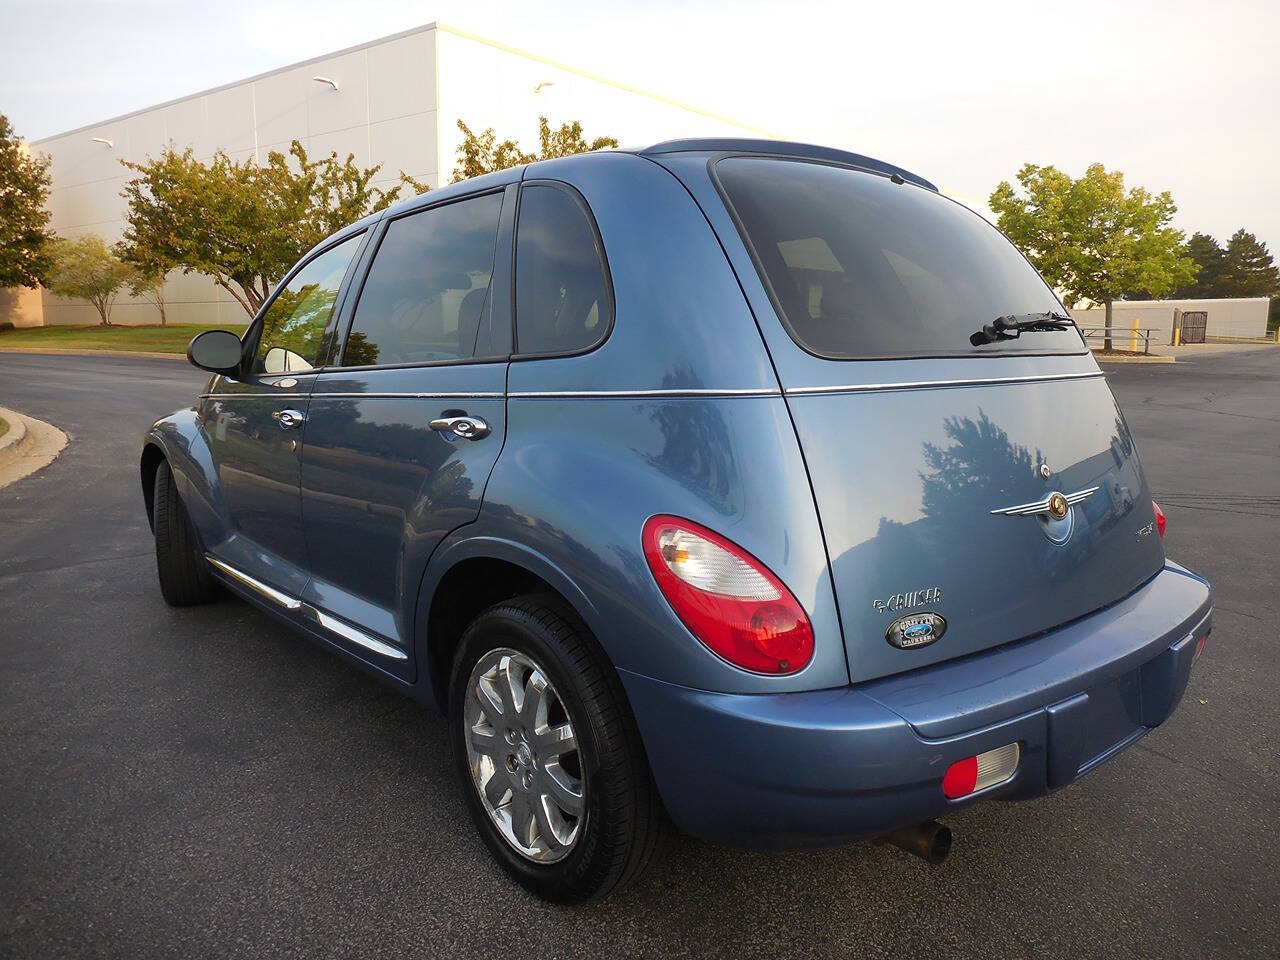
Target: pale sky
pixel 1181 96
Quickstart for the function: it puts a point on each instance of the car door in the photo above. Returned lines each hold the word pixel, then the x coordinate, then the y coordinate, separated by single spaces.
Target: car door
pixel 253 424
pixel 403 430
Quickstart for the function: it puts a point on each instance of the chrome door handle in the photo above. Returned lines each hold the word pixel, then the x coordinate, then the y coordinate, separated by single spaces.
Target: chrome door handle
pixel 289 419
pixel 469 428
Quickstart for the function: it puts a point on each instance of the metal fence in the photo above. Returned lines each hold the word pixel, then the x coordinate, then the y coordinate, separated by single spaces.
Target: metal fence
pixel 1119 335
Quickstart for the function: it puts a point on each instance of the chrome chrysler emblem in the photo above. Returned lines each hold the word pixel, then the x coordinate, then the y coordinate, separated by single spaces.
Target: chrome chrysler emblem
pixel 1057 506
pixel 1054 505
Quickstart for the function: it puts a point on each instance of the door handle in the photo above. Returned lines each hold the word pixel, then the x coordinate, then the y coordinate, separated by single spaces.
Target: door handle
pixel 289 419
pixel 468 428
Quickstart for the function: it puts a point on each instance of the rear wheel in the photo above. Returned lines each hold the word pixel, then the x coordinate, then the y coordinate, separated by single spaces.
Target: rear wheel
pixel 184 573
pixel 553 769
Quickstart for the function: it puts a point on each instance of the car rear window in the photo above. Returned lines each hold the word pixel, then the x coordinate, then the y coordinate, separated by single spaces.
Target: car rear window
pixel 862 267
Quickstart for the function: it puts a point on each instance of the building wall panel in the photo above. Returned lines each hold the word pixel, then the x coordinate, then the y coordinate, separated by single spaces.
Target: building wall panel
pixel 398 103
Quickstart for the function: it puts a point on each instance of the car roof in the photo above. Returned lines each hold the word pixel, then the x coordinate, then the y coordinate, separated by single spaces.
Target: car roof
pixel 739 145
pixel 783 148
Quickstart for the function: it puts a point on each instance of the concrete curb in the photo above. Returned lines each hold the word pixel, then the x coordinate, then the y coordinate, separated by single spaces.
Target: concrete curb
pixel 58 351
pixel 1151 359
pixel 15 435
pixel 36 444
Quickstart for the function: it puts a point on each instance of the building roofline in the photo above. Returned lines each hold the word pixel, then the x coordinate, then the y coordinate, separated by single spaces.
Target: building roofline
pixel 236 83
pixel 629 88
pixel 412 31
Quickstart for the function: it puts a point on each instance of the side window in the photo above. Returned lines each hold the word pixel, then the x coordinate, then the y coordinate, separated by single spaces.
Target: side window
pixel 563 299
pixel 426 296
pixel 293 326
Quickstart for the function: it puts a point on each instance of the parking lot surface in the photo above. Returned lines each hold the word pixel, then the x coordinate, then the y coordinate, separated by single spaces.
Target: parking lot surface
pixel 202 782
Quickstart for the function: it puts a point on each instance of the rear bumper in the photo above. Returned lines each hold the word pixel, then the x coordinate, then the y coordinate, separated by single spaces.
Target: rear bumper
pixel 797 770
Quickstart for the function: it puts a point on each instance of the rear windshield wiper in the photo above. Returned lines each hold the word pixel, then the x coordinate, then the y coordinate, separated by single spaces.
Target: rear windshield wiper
pixel 1011 327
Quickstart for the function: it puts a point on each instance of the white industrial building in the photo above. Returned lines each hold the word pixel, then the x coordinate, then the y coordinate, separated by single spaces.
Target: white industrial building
pixel 394 101
pixel 1227 317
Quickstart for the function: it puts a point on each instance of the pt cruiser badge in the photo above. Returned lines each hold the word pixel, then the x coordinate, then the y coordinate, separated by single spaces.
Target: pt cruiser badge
pixel 915 630
pixel 905 601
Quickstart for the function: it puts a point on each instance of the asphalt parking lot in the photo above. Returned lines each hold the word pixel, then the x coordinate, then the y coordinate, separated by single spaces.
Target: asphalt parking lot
pixel 201 782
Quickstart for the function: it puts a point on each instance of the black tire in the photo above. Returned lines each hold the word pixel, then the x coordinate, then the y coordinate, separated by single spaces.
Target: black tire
pixel 185 579
pixel 625 826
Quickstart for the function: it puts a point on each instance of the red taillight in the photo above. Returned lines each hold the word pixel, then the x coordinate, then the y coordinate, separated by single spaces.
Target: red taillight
pixel 727 598
pixel 1160 520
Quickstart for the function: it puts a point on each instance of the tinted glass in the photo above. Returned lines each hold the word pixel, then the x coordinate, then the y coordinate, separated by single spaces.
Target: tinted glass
pixel 427 292
pixel 294 325
pixel 563 303
pixel 864 267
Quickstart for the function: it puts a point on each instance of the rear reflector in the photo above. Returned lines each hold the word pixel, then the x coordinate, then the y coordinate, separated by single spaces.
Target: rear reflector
pixel 977 773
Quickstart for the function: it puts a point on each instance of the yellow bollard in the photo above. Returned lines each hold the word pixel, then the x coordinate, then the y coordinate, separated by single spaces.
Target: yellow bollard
pixel 1133 337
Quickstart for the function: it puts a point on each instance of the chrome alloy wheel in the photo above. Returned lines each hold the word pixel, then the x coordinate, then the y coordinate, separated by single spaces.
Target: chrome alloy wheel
pixel 523 755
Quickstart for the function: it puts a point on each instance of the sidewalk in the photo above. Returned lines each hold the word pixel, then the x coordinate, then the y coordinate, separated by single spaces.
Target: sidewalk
pixel 95 353
pixel 27 446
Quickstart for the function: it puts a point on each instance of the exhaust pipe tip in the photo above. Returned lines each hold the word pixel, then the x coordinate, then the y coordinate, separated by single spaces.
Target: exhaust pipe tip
pixel 930 841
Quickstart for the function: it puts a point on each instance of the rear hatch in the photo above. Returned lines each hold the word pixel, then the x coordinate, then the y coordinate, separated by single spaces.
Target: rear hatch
pixel 935 461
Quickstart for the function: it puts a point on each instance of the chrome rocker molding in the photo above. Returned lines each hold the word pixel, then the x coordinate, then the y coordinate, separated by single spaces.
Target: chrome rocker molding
pixel 1042 506
pixel 321 619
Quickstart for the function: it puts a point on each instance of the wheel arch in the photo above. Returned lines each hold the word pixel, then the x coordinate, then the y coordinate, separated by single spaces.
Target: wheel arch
pixel 467 577
pixel 152 456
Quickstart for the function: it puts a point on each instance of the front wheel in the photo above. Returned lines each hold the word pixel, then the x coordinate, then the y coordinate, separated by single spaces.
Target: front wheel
pixel 553 769
pixel 184 573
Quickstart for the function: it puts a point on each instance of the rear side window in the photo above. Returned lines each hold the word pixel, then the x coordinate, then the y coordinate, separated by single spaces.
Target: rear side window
pixel 564 303
pixel 862 267
pixel 426 296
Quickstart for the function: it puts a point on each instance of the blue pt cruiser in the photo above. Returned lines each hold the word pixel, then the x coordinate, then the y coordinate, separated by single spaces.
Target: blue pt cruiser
pixel 753 487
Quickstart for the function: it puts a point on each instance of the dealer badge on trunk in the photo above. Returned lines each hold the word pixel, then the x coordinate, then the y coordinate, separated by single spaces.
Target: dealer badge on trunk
pixel 916 630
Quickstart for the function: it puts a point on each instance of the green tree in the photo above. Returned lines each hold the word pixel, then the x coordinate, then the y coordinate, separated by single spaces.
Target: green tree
pixel 1211 261
pixel 243 224
pixel 88 269
pixel 481 153
pixel 1248 270
pixel 149 287
pixel 1092 239
pixel 24 220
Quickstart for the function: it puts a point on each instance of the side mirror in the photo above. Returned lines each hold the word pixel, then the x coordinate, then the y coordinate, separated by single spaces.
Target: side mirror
pixel 218 351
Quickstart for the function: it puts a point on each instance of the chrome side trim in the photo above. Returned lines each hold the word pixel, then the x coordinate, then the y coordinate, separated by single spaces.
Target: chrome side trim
pixel 231 395
pixel 692 392
pixel 322 395
pixel 358 637
pixel 277 597
pixel 321 619
pixel 926 384
pixel 1042 506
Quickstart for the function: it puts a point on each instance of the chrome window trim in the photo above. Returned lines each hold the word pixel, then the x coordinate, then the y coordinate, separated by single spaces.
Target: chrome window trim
pixel 384 395
pixel 691 392
pixel 574 394
pixel 927 384
pixel 321 394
